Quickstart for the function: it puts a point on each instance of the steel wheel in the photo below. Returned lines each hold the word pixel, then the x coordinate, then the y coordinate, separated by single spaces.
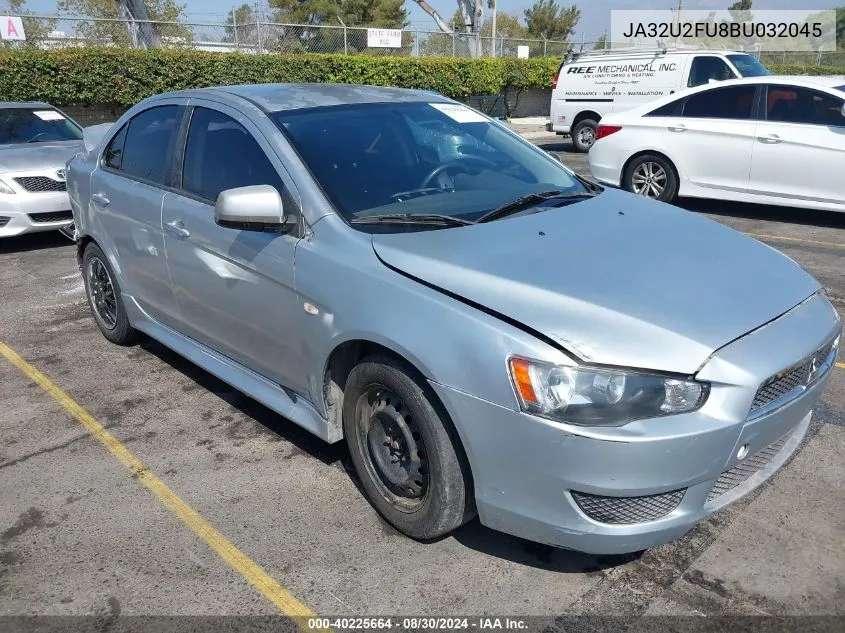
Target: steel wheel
pixel 101 293
pixel 649 179
pixel 586 136
pixel 393 448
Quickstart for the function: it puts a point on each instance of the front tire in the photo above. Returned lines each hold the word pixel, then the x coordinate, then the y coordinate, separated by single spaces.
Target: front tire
pixel 584 135
pixel 652 176
pixel 104 297
pixel 404 449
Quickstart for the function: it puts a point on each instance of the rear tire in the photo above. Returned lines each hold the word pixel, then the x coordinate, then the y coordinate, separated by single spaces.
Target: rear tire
pixel 652 176
pixel 104 297
pixel 584 135
pixel 404 449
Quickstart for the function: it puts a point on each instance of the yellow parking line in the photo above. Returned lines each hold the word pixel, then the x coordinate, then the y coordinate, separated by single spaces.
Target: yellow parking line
pixel 840 365
pixel 796 239
pixel 224 548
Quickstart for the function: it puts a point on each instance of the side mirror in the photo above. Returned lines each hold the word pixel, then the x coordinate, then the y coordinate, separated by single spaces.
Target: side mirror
pixel 554 155
pixel 843 109
pixel 254 208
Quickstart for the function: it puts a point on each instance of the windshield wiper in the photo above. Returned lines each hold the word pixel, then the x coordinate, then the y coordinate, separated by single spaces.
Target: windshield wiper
pixel 532 199
pixel 421 219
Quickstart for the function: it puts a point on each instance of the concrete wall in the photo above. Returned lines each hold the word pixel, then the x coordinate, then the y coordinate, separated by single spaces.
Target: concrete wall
pixel 532 102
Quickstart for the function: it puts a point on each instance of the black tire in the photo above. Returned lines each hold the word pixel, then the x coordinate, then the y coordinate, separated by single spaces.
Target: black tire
pixel 584 134
pixel 117 330
pixel 441 499
pixel 639 166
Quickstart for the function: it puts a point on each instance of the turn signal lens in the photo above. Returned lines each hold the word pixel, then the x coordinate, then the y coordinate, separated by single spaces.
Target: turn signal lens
pixel 520 370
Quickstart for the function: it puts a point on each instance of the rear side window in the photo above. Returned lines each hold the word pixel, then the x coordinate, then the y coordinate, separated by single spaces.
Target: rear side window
pixel 790 104
pixel 734 102
pixel 221 154
pixel 114 152
pixel 705 68
pixel 147 146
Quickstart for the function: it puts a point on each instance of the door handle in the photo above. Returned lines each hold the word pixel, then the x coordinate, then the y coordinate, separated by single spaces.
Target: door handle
pixel 100 200
pixel 677 128
pixel 177 229
pixel 771 139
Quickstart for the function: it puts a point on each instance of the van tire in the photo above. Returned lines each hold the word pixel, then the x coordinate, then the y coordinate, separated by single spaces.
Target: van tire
pixel 584 134
pixel 670 188
pixel 397 433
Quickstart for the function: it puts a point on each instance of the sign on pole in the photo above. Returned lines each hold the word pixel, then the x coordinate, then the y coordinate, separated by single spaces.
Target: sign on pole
pixel 11 28
pixel 384 38
pixel 522 52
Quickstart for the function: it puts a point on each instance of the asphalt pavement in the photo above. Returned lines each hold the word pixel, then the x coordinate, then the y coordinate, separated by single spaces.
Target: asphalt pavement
pixel 85 530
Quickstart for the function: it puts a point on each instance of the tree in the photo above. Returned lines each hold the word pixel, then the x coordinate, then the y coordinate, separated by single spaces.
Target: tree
pixel 138 26
pixel 840 27
pixel 741 10
pixel 241 26
pixel 547 19
pixel 601 43
pixel 36 30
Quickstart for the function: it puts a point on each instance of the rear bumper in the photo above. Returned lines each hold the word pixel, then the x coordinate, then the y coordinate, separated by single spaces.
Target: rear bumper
pixel 22 213
pixel 606 162
pixel 536 479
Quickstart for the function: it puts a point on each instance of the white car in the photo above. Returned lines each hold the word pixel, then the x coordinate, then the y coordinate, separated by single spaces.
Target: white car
pixel 770 140
pixel 36 142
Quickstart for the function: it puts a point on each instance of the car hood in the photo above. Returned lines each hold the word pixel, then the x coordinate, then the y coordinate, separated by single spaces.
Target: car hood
pixel 36 156
pixel 617 280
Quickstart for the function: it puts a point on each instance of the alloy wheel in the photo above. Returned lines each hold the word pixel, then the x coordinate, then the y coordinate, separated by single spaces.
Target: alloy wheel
pixel 101 293
pixel 649 179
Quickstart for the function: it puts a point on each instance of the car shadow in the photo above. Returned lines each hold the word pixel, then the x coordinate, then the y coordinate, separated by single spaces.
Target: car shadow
pixel 33 242
pixel 771 213
pixel 473 535
pixel 560 146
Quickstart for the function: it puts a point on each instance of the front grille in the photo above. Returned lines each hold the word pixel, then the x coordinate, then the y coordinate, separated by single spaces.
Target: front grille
pixel 4 220
pixel 53 216
pixel 623 510
pixel 799 376
pixel 730 479
pixel 40 184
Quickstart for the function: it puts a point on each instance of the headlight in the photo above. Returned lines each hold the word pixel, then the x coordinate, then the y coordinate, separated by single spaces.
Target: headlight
pixel 4 188
pixel 598 397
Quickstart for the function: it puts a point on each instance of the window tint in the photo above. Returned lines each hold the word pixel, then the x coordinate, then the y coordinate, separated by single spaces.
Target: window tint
pixel 221 154
pixel 114 152
pixel 147 147
pixel 735 102
pixel 670 109
pixel 36 125
pixel 705 68
pixel 789 104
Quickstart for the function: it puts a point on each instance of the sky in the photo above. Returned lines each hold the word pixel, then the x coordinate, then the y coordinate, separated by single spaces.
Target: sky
pixel 595 14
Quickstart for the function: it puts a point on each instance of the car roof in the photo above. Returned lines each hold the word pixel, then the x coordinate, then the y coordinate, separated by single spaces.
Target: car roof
pixel 24 104
pixel 277 97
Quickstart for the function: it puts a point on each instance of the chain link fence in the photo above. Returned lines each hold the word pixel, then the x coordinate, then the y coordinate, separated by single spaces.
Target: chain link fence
pixel 48 32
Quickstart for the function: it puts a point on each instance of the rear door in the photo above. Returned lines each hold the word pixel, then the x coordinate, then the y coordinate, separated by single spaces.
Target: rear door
pixel 799 151
pixel 234 288
pixel 712 138
pixel 127 192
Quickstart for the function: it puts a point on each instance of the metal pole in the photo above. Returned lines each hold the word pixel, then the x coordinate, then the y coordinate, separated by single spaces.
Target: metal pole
pixel 454 52
pixel 258 26
pixel 235 27
pixel 345 43
pixel 494 30
pixel 545 45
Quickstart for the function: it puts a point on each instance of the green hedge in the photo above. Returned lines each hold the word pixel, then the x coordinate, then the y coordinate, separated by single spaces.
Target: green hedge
pixel 122 77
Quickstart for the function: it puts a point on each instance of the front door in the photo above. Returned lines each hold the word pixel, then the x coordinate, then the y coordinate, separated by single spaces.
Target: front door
pixel 234 288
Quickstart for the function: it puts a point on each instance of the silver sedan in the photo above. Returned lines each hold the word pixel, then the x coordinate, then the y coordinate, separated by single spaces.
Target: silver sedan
pixel 36 142
pixel 490 333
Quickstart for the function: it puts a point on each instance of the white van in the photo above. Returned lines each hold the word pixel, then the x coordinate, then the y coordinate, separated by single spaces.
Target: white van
pixel 592 84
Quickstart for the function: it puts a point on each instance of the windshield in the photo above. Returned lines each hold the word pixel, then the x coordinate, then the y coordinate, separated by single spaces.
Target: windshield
pixel 749 66
pixel 414 158
pixel 36 125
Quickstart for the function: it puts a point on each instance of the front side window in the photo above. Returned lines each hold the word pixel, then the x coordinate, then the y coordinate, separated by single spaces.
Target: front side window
pixel 148 144
pixel 790 104
pixel 36 125
pixel 221 154
pixel 417 158
pixel 706 67
pixel 734 102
